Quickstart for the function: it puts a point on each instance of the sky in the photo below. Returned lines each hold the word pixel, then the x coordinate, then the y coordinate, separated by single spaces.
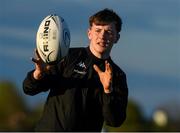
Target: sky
pixel 148 50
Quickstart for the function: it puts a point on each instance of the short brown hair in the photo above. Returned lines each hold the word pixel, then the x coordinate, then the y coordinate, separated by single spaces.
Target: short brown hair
pixel 104 17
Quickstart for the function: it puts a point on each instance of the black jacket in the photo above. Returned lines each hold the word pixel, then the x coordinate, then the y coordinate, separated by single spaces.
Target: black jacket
pixel 76 101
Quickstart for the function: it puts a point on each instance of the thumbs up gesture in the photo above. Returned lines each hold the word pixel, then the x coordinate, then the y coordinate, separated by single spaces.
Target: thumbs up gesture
pixel 105 77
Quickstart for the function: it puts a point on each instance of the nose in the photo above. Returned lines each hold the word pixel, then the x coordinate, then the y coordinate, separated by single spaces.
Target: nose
pixel 102 34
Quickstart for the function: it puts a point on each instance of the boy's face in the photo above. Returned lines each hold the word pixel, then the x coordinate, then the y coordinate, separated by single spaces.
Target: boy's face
pixel 102 37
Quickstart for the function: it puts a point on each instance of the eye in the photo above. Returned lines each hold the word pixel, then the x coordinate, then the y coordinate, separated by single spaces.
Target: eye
pixel 98 30
pixel 110 32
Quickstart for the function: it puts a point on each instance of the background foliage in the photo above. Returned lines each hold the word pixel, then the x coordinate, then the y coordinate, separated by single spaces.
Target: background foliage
pixel 16 116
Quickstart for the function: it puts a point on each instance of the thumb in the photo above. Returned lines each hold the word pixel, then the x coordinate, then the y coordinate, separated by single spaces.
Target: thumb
pixel 97 69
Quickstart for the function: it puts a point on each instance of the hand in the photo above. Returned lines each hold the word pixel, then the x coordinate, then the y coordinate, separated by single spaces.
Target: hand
pixel 105 77
pixel 40 66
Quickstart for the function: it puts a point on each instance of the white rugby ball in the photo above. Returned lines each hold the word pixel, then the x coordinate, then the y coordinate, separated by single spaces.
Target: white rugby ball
pixel 53 39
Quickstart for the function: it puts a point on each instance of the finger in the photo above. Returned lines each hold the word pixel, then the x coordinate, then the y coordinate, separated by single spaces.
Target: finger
pixel 108 67
pixel 37 58
pixel 34 60
pixel 36 53
pixel 97 69
pixel 37 63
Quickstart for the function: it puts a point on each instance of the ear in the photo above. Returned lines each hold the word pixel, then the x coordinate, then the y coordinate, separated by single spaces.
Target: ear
pixel 89 33
pixel 117 38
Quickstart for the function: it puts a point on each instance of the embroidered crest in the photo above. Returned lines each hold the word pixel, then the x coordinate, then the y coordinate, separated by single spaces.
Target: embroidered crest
pixel 80 68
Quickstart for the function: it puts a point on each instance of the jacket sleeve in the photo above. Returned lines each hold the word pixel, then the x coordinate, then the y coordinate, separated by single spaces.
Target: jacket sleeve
pixel 32 86
pixel 51 80
pixel 115 103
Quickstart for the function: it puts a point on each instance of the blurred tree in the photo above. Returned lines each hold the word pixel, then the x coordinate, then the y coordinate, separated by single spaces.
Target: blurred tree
pixel 14 115
pixel 136 121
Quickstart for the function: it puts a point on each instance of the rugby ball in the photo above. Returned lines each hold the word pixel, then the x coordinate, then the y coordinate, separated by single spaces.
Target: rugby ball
pixel 52 39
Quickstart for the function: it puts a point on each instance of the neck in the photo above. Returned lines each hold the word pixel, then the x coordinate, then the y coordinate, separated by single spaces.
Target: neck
pixel 103 55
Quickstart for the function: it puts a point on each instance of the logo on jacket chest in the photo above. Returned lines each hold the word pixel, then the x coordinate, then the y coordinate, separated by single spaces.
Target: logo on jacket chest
pixel 80 68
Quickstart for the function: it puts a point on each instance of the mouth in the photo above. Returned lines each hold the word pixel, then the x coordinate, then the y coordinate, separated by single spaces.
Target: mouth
pixel 103 44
